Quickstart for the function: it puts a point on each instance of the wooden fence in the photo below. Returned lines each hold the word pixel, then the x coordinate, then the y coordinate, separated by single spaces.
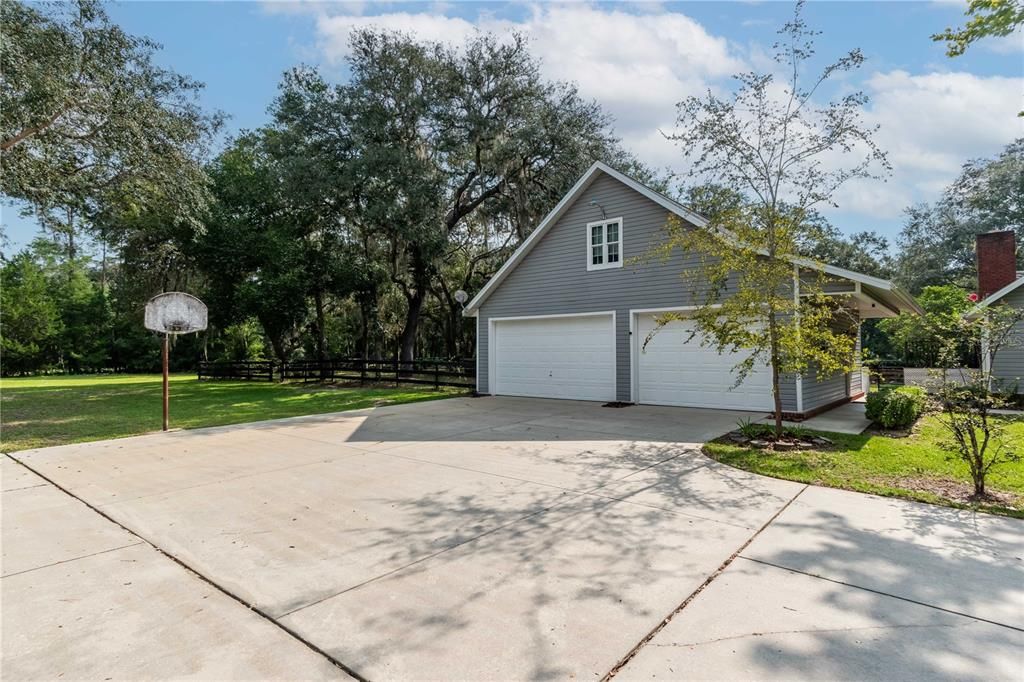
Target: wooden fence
pixel 257 370
pixel 458 373
pixel 887 375
pixel 437 373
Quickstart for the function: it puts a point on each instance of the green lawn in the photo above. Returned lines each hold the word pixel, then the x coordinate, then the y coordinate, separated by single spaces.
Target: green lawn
pixel 37 412
pixel 912 467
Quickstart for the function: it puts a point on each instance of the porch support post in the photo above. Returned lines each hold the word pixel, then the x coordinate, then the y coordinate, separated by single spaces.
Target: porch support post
pixel 796 303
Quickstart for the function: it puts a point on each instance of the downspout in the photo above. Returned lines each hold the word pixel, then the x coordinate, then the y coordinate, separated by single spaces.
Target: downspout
pixel 986 360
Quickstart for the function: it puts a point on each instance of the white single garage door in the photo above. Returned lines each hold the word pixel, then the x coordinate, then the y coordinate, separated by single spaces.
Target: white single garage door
pixel 555 357
pixel 673 372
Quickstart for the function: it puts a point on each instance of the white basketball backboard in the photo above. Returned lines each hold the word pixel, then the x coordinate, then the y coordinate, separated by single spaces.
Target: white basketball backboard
pixel 175 312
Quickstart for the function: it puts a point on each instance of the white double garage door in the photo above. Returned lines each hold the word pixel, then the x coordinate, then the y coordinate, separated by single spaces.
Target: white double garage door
pixel 575 357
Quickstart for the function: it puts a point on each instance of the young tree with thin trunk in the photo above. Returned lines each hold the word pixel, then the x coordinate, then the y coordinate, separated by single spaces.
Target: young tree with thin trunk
pixel 784 148
pixel 969 398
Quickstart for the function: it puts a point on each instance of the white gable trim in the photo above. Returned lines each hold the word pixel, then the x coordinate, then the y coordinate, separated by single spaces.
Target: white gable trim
pixel 992 298
pixel 533 238
pixel 584 182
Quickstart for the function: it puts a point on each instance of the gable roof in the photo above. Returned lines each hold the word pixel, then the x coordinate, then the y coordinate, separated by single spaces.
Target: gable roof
pixel 902 299
pixel 995 296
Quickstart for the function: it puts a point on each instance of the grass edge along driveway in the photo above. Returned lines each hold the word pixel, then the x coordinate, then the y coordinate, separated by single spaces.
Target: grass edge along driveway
pixel 912 467
pixel 38 412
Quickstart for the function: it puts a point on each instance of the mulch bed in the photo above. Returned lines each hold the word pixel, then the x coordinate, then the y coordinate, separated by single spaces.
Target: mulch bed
pixel 769 442
pixel 957 491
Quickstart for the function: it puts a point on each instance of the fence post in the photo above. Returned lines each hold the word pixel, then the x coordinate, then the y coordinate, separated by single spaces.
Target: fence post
pixel 437 376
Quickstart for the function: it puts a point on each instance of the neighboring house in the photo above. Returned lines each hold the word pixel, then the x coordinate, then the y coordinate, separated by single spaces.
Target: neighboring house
pixel 567 315
pixel 999 283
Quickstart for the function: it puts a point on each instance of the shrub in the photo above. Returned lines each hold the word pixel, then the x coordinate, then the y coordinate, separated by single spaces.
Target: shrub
pixel 798 432
pixel 758 431
pixel 751 430
pixel 896 408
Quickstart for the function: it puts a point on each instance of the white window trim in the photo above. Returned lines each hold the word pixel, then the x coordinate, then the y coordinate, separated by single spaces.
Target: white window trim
pixel 604 245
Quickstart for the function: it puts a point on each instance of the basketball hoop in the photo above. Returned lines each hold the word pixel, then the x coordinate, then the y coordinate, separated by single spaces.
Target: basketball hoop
pixel 173 312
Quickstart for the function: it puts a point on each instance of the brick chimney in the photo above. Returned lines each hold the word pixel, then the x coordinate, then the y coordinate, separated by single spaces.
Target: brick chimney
pixel 997 261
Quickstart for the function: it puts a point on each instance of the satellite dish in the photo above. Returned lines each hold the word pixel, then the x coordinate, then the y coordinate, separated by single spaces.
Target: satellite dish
pixel 175 312
pixel 461 297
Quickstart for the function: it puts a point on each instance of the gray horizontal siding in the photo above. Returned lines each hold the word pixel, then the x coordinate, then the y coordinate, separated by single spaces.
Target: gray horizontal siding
pixel 857 375
pixel 822 390
pixel 1008 364
pixel 553 278
pixel 787 390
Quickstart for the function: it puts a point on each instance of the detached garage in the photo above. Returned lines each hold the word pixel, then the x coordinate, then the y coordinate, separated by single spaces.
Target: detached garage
pixel 571 356
pixel 566 315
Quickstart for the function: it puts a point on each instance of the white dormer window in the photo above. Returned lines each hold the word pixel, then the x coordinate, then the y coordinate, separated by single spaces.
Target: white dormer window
pixel 604 244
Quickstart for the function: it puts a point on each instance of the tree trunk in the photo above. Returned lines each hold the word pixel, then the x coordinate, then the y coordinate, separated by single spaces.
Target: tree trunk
pixel 407 350
pixel 977 466
pixel 71 239
pixel 277 343
pixel 415 295
pixel 103 267
pixel 452 333
pixel 321 333
pixel 364 333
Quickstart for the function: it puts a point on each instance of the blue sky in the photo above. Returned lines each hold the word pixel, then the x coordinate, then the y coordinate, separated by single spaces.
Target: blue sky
pixel 636 59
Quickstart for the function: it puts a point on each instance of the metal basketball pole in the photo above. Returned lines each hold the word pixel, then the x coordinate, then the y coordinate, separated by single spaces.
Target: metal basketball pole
pixel 173 312
pixel 166 355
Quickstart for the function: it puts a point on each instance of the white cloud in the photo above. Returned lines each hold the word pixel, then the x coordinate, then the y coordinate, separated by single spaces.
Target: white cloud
pixel 315 7
pixel 930 124
pixel 1011 44
pixel 334 30
pixel 637 66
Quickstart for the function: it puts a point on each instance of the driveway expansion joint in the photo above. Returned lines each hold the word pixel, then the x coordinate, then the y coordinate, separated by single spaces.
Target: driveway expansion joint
pixel 883 594
pixel 76 558
pixel 771 633
pixel 24 487
pixel 428 557
pixel 143 540
pixel 700 588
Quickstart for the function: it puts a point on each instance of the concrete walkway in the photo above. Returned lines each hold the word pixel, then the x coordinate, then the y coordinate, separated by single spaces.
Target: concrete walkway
pixel 494 538
pixel 847 418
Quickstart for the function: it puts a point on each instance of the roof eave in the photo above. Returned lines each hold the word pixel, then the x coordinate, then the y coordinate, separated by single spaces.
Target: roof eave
pixel 472 308
pixel 995 296
pixel 906 302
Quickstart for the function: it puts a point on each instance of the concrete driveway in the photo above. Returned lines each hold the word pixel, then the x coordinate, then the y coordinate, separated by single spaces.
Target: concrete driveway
pixel 489 538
